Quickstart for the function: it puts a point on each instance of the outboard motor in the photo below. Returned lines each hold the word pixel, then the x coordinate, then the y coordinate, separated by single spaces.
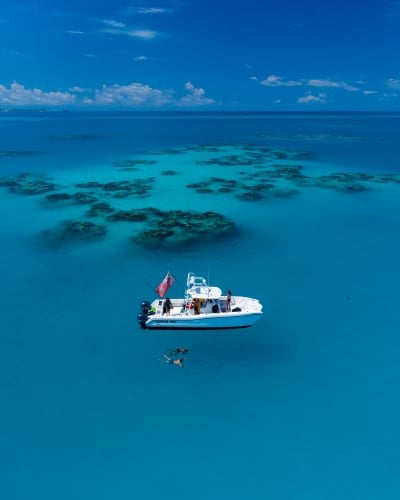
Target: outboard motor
pixel 141 319
pixel 145 310
pixel 145 307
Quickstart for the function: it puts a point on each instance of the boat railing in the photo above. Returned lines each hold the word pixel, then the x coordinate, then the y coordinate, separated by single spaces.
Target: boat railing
pixel 193 280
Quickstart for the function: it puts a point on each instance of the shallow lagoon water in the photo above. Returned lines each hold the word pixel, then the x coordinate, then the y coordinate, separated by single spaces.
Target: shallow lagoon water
pixel 302 405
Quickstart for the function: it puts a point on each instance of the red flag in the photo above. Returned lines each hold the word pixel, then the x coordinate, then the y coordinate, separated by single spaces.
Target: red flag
pixel 165 284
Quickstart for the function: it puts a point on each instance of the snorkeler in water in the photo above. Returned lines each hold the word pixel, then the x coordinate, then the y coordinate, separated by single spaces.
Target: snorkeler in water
pixel 171 361
pixel 178 350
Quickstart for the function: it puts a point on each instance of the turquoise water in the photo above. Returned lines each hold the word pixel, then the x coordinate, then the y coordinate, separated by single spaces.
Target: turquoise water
pixel 304 405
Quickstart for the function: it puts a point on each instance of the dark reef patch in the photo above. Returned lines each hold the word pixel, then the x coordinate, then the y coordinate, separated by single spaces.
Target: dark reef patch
pixel 132 215
pixel 256 156
pixel 169 172
pixel 250 196
pixel 232 161
pixel 28 184
pixel 78 198
pixel 100 209
pixel 16 153
pixel 132 165
pixel 198 185
pixel 258 173
pixel 71 137
pixel 89 185
pixel 243 191
pixel 252 184
pixel 55 197
pixel 166 152
pixel 311 137
pixel 122 189
pixel 179 227
pixel 73 231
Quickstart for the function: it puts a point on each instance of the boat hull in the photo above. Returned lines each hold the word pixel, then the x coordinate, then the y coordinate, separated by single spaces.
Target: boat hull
pixel 204 322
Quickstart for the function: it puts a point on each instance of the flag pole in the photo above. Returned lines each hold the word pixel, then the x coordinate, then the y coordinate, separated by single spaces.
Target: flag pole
pixel 180 284
pixel 148 284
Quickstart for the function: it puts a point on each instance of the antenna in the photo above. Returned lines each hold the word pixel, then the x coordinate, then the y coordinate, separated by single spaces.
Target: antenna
pixel 180 284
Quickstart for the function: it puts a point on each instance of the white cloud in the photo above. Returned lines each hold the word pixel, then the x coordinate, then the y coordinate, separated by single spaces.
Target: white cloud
pixel 149 10
pixel 17 95
pixel 133 95
pixel 144 34
pixel 75 32
pixel 77 89
pixel 114 27
pixel 113 23
pixel 310 98
pixel 322 83
pixel 140 58
pixel 331 84
pixel 277 81
pixel 195 97
pixel 393 83
pixel 348 87
pixel 369 92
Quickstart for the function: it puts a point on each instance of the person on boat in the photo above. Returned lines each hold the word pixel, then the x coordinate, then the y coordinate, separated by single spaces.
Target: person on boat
pixel 171 361
pixel 167 306
pixel 196 305
pixel 228 300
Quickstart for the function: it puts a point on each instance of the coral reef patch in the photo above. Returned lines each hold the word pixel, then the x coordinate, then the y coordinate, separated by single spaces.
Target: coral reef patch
pixel 28 184
pixel 100 209
pixel 132 165
pixel 132 215
pixel 138 188
pixel 73 231
pixel 16 153
pixel 245 172
pixel 169 172
pixel 178 227
pixel 71 137
pixel 311 137
pixel 78 198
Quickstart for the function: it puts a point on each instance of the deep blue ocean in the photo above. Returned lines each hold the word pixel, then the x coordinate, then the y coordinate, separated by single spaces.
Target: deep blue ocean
pixel 304 405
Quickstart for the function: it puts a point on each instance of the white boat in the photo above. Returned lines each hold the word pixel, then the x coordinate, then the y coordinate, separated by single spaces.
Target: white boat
pixel 203 307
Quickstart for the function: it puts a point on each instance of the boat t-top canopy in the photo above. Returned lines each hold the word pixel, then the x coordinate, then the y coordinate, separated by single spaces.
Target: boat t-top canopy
pixel 197 288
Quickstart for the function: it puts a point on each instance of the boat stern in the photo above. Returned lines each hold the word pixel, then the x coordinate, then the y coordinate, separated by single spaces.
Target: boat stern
pixel 143 315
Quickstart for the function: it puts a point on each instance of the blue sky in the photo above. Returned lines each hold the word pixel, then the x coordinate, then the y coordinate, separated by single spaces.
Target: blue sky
pixel 197 54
